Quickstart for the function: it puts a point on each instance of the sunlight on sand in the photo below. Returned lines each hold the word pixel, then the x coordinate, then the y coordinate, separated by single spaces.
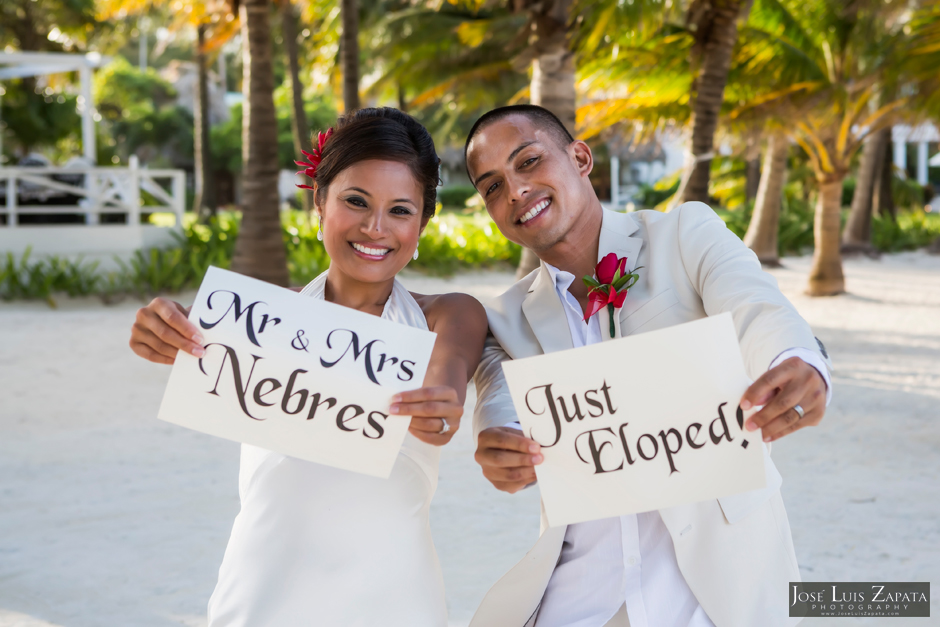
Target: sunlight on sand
pixel 111 517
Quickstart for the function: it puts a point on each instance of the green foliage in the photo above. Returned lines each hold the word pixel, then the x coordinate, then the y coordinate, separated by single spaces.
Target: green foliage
pixel 122 89
pixel 453 60
pixel 25 279
pixel 32 121
pixel 452 242
pixel 795 234
pixel 911 230
pixel 48 25
pixel 795 231
pixel 848 190
pixel 226 138
pixel 138 111
pixel 651 196
pixel 455 196
pixel 155 270
pixel 907 192
pixel 306 257
pixel 225 141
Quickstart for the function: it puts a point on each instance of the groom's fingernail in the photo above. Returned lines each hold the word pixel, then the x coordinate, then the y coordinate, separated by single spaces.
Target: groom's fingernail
pixel 746 405
pixel 199 352
pixel 198 339
pixel 396 398
pixel 767 438
pixel 536 459
pixel 394 409
pixel 751 425
pixel 534 448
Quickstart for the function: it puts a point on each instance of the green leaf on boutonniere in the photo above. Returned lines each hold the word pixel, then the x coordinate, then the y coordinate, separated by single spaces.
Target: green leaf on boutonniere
pixel 591 282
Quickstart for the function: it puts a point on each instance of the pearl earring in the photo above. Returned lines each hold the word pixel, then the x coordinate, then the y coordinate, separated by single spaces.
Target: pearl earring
pixel 415 256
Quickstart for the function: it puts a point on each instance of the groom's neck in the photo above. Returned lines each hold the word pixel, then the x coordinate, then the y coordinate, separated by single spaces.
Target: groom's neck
pixel 576 252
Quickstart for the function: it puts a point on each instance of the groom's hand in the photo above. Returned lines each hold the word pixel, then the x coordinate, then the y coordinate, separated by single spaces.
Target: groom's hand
pixel 508 458
pixel 792 382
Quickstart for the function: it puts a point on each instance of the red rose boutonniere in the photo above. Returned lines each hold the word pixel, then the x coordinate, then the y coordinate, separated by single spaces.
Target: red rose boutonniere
pixel 310 169
pixel 609 287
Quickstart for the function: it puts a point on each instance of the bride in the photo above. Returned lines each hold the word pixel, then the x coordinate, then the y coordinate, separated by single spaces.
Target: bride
pixel 315 545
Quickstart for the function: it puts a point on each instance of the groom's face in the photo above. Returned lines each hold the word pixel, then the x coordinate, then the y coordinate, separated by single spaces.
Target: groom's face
pixel 532 184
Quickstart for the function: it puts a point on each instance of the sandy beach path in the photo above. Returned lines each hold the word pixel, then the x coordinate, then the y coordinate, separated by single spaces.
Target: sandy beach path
pixel 109 517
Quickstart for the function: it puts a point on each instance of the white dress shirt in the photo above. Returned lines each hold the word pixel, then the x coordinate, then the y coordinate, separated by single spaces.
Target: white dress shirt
pixel 606 564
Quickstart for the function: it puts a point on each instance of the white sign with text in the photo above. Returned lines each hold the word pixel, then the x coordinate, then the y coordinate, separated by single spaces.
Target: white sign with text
pixel 296 375
pixel 639 423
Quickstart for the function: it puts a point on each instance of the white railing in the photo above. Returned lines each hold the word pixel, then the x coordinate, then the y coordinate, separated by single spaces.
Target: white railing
pixel 130 190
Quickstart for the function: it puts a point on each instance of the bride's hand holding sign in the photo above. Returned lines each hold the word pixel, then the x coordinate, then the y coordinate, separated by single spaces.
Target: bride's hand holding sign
pixel 162 328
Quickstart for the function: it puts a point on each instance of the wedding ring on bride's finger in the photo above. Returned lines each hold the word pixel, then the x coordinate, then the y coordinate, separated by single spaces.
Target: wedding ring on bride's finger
pixel 798 410
pixel 445 428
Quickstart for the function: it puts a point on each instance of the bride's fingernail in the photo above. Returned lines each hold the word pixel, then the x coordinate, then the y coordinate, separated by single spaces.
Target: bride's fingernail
pixel 198 339
pixel 534 448
pixel 396 398
pixel 199 352
pixel 536 459
pixel 745 405
pixel 751 425
pixel 394 409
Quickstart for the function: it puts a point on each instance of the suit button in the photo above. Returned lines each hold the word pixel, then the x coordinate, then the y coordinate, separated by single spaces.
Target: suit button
pixel 632 561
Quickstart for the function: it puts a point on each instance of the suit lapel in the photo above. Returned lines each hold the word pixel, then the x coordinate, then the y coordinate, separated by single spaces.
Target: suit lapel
pixel 617 231
pixel 617 236
pixel 546 315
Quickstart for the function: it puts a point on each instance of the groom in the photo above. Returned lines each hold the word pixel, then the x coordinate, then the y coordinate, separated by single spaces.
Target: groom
pixel 724 562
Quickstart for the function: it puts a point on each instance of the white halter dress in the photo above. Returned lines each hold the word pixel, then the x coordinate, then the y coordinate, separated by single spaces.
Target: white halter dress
pixel 318 546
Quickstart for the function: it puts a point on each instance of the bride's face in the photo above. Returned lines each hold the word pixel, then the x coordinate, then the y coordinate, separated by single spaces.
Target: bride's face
pixel 371 219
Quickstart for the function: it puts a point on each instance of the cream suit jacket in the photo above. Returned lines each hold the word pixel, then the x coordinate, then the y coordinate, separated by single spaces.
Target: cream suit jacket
pixel 736 553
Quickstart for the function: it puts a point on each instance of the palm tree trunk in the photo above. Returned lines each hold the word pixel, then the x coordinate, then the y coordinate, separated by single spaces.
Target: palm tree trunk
pixel 204 204
pixel 350 45
pixel 552 85
pixel 825 277
pixel 402 99
pixel 752 178
pixel 883 201
pixel 715 26
pixel 298 118
pixel 761 236
pixel 857 235
pixel 259 249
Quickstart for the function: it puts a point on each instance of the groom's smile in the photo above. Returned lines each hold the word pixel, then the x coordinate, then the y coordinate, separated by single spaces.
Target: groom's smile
pixel 533 210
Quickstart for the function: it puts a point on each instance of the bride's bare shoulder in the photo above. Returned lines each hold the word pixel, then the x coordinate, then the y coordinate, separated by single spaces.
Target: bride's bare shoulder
pixel 451 310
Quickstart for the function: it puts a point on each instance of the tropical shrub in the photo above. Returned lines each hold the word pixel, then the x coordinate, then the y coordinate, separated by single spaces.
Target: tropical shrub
pixel 26 279
pixel 455 196
pixel 911 230
pixel 450 242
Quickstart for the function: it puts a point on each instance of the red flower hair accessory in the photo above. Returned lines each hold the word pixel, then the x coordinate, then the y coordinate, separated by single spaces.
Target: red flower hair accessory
pixel 310 169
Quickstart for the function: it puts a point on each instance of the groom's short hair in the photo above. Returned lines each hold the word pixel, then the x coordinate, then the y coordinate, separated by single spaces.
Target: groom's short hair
pixel 539 116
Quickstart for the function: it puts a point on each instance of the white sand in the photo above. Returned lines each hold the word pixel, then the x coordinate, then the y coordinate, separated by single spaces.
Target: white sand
pixel 110 517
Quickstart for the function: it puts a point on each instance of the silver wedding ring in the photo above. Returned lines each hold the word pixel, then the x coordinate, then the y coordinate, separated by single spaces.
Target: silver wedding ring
pixel 798 410
pixel 446 427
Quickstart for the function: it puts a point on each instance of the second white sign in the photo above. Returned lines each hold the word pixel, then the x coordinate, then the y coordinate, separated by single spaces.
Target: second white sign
pixel 639 423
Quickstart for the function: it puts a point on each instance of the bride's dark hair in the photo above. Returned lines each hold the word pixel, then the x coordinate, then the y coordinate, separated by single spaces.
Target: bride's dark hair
pixel 385 134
